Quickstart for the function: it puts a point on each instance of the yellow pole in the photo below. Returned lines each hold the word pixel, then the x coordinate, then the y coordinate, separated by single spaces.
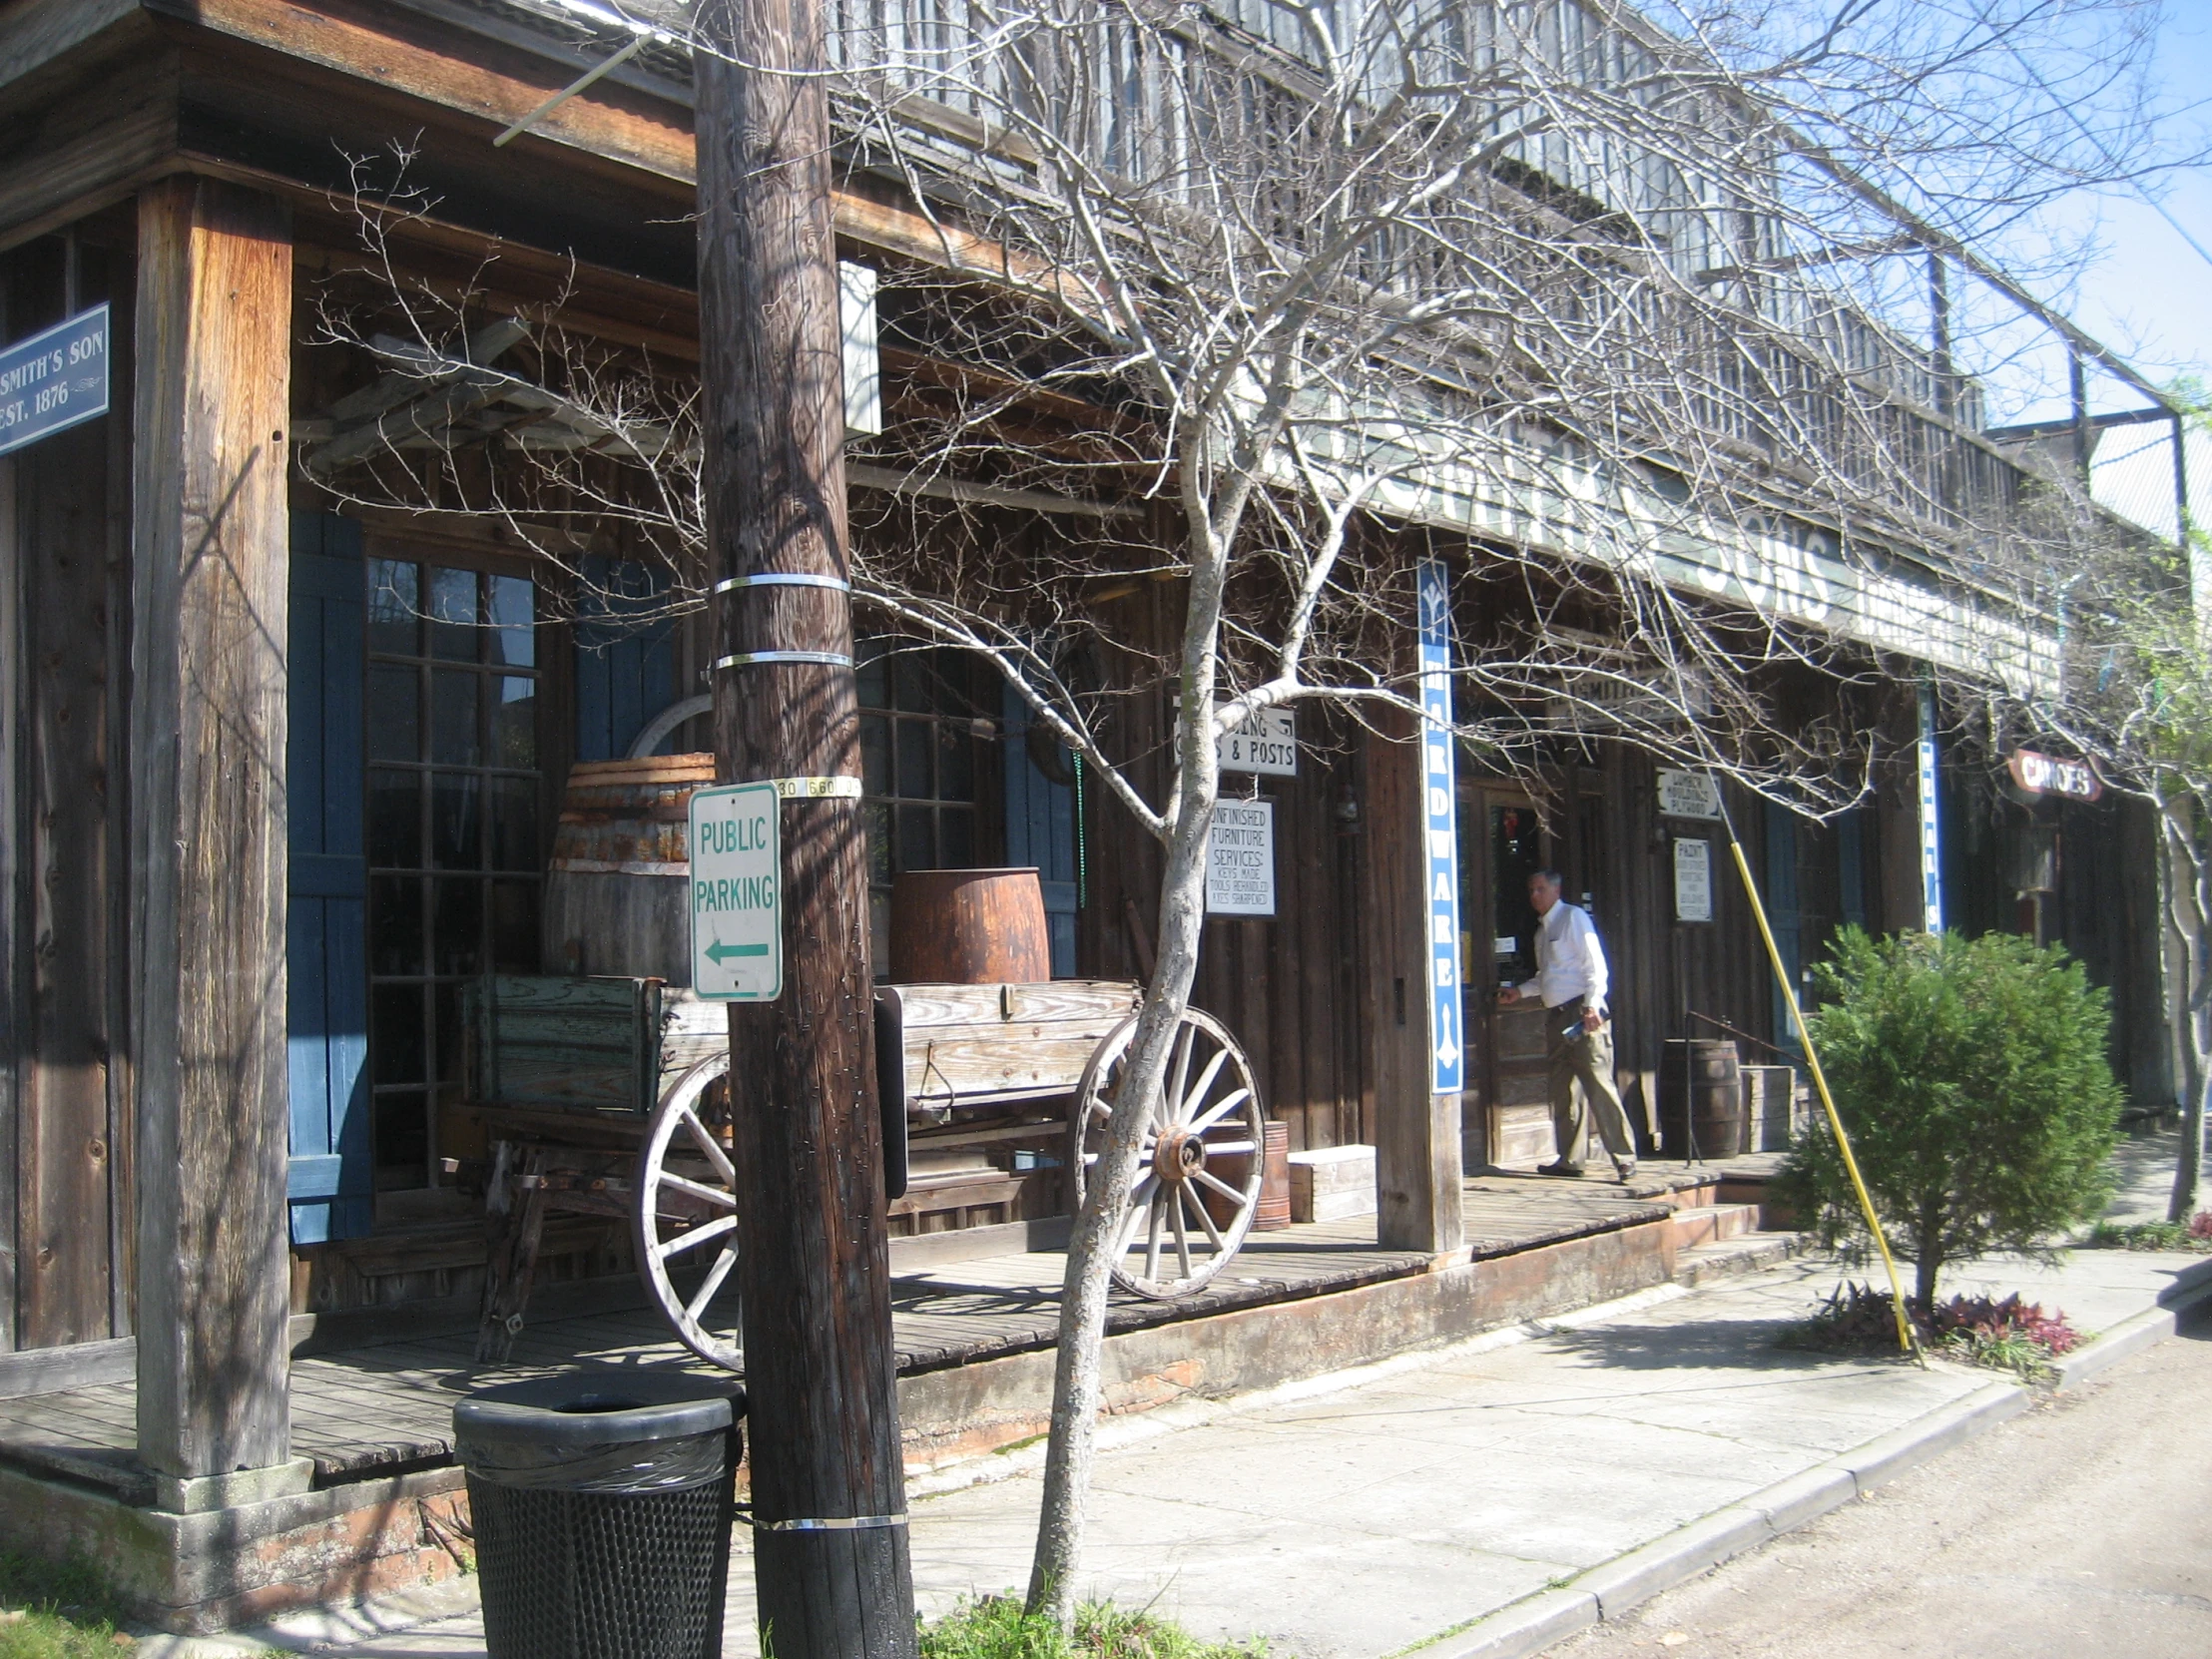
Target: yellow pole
pixel 1906 1340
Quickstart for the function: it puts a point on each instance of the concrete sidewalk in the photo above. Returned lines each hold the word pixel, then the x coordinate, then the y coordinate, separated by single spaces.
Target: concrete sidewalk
pixel 1400 1504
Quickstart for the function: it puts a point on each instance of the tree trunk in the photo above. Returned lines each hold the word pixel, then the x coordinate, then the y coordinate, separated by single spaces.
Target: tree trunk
pixel 1077 1383
pixel 2189 879
pixel 1927 1266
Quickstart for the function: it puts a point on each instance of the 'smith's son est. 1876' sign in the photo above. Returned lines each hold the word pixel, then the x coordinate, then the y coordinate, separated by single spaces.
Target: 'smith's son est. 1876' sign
pixel 54 379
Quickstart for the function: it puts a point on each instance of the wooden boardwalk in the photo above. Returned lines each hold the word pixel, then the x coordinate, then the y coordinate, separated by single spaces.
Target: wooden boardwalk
pixel 387 1409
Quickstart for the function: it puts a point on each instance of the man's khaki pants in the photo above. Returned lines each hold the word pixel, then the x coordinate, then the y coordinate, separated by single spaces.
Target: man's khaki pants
pixel 1587 1060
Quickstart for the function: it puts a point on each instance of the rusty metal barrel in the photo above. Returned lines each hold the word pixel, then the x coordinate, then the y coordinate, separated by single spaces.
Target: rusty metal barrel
pixel 1701 1098
pixel 969 927
pixel 614 889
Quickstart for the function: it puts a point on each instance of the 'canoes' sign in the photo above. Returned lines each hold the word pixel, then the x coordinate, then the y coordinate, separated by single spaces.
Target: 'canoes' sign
pixel 737 893
pixel 2045 775
pixel 54 379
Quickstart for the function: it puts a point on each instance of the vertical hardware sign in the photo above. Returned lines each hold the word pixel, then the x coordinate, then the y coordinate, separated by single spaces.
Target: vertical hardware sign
pixel 1441 831
pixel 1932 821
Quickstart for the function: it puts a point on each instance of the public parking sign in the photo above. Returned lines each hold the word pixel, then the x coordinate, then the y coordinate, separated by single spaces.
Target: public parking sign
pixel 54 379
pixel 737 893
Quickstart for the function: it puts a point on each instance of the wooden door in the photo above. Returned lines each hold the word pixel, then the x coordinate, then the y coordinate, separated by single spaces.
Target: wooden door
pixel 1502 843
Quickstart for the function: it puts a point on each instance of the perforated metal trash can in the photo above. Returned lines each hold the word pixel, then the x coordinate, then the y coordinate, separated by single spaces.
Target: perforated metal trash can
pixel 602 1502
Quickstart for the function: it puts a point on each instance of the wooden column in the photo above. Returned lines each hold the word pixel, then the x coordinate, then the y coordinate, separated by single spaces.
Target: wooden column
pixel 829 1486
pixel 1416 1132
pixel 208 825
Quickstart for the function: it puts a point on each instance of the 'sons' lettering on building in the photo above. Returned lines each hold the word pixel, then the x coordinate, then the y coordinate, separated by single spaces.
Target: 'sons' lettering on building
pixel 737 893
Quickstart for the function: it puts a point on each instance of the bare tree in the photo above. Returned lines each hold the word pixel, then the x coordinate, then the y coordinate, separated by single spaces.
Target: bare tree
pixel 1640 313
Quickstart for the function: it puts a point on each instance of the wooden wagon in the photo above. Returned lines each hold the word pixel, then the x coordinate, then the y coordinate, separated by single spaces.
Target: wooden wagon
pixel 608 1096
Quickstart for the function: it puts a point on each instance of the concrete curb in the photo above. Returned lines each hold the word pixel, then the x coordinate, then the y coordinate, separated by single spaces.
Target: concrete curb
pixel 1528 1626
pixel 2131 1335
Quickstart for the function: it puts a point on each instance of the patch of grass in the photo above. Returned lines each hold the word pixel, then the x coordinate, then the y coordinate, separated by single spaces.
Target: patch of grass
pixel 57 1611
pixel 995 1627
pixel 2192 1235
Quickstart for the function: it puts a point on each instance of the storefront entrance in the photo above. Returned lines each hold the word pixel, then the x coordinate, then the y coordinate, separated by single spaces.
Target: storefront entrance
pixel 1501 843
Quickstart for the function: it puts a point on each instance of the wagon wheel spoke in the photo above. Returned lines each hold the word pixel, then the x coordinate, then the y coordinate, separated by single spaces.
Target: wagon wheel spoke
pixel 1152 1238
pixel 695 1238
pixel 720 1197
pixel 697 1307
pixel 1220 1186
pixel 1180 1070
pixel 1219 1110
pixel 709 1147
pixel 1181 1239
pixel 1198 1208
pixel 1185 1100
pixel 1126 1231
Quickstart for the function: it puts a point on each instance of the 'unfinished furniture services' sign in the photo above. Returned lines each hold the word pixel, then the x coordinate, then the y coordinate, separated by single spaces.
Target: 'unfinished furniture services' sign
pixel 737 893
pixel 54 380
pixel 1693 880
pixel 1239 865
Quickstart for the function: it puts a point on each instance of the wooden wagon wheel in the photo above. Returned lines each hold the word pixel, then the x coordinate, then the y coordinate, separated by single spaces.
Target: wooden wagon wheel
pixel 1199 1162
pixel 688 1208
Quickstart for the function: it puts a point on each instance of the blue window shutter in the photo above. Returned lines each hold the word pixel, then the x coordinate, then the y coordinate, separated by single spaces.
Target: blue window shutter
pixel 1040 831
pixel 625 656
pixel 332 1184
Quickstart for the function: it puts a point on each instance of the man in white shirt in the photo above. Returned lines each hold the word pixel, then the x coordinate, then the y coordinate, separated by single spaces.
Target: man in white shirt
pixel 1571 978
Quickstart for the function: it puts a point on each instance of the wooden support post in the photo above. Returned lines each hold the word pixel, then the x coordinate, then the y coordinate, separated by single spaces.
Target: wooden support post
pixel 1417 1131
pixel 208 825
pixel 829 1485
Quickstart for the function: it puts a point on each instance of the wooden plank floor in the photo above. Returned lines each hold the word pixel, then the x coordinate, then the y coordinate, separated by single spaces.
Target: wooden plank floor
pixel 390 1407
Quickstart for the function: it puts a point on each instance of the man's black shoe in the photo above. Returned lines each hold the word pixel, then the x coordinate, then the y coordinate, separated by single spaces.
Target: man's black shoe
pixel 1560 1165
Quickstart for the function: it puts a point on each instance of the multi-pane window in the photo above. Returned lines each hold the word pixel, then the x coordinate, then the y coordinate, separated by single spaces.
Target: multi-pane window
pixel 924 717
pixel 453 833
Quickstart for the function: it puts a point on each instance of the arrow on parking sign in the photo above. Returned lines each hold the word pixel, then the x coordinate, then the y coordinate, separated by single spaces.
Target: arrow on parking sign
pixel 718 952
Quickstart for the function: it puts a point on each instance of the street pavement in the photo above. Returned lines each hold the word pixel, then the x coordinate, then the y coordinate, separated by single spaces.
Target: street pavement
pixel 1375 1510
pixel 2078 1530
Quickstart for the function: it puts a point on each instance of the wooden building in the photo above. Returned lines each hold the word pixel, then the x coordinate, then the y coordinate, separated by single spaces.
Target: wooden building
pixel 279 778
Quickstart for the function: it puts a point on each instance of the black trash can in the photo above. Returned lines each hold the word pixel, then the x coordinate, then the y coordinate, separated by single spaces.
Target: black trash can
pixel 602 1502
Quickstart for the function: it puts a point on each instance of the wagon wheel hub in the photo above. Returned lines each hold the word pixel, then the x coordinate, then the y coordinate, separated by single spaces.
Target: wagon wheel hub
pixel 1179 1156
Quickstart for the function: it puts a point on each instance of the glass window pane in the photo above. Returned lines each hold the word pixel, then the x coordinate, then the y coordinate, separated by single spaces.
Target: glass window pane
pixel 394 711
pixel 456 820
pixel 457 926
pixel 876 755
pixel 911 683
pixel 514 927
pixel 394 611
pixel 879 932
pixel 514 823
pixel 453 616
pixel 514 722
pixel 395 1033
pixel 914 760
pixel 514 617
pixel 956 762
pixel 875 677
pixel 396 925
pixel 917 841
pixel 453 738
pixel 449 1004
pixel 877 819
pixel 403 1140
pixel 956 837
pixel 394 819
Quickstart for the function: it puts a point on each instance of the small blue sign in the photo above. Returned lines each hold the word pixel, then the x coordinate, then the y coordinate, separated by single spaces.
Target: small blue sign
pixel 54 380
pixel 1440 832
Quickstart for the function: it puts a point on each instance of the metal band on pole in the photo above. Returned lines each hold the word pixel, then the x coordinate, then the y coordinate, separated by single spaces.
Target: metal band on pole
pixel 834 1523
pixel 745 659
pixel 782 579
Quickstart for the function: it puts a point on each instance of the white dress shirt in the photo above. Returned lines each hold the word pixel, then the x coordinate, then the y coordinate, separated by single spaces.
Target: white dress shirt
pixel 1569 960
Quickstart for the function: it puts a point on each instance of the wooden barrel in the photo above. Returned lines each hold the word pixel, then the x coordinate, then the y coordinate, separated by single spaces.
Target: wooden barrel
pixel 1272 1211
pixel 614 889
pixel 969 927
pixel 1701 1098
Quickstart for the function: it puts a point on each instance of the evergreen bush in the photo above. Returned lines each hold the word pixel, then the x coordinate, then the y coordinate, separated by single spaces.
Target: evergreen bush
pixel 1971 1077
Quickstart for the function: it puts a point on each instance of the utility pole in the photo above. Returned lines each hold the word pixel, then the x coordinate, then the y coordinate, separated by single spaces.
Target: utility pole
pixel 828 1484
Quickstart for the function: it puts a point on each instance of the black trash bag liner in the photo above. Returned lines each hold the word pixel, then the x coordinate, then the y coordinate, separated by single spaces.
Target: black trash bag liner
pixel 600 1431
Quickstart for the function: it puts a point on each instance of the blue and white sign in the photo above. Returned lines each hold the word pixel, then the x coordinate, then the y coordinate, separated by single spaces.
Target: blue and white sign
pixel 54 379
pixel 1440 832
pixel 737 893
pixel 1932 822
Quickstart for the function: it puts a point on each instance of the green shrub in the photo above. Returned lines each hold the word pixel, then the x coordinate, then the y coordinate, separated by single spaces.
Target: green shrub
pixel 2194 1235
pixel 995 1627
pixel 54 1611
pixel 1971 1075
